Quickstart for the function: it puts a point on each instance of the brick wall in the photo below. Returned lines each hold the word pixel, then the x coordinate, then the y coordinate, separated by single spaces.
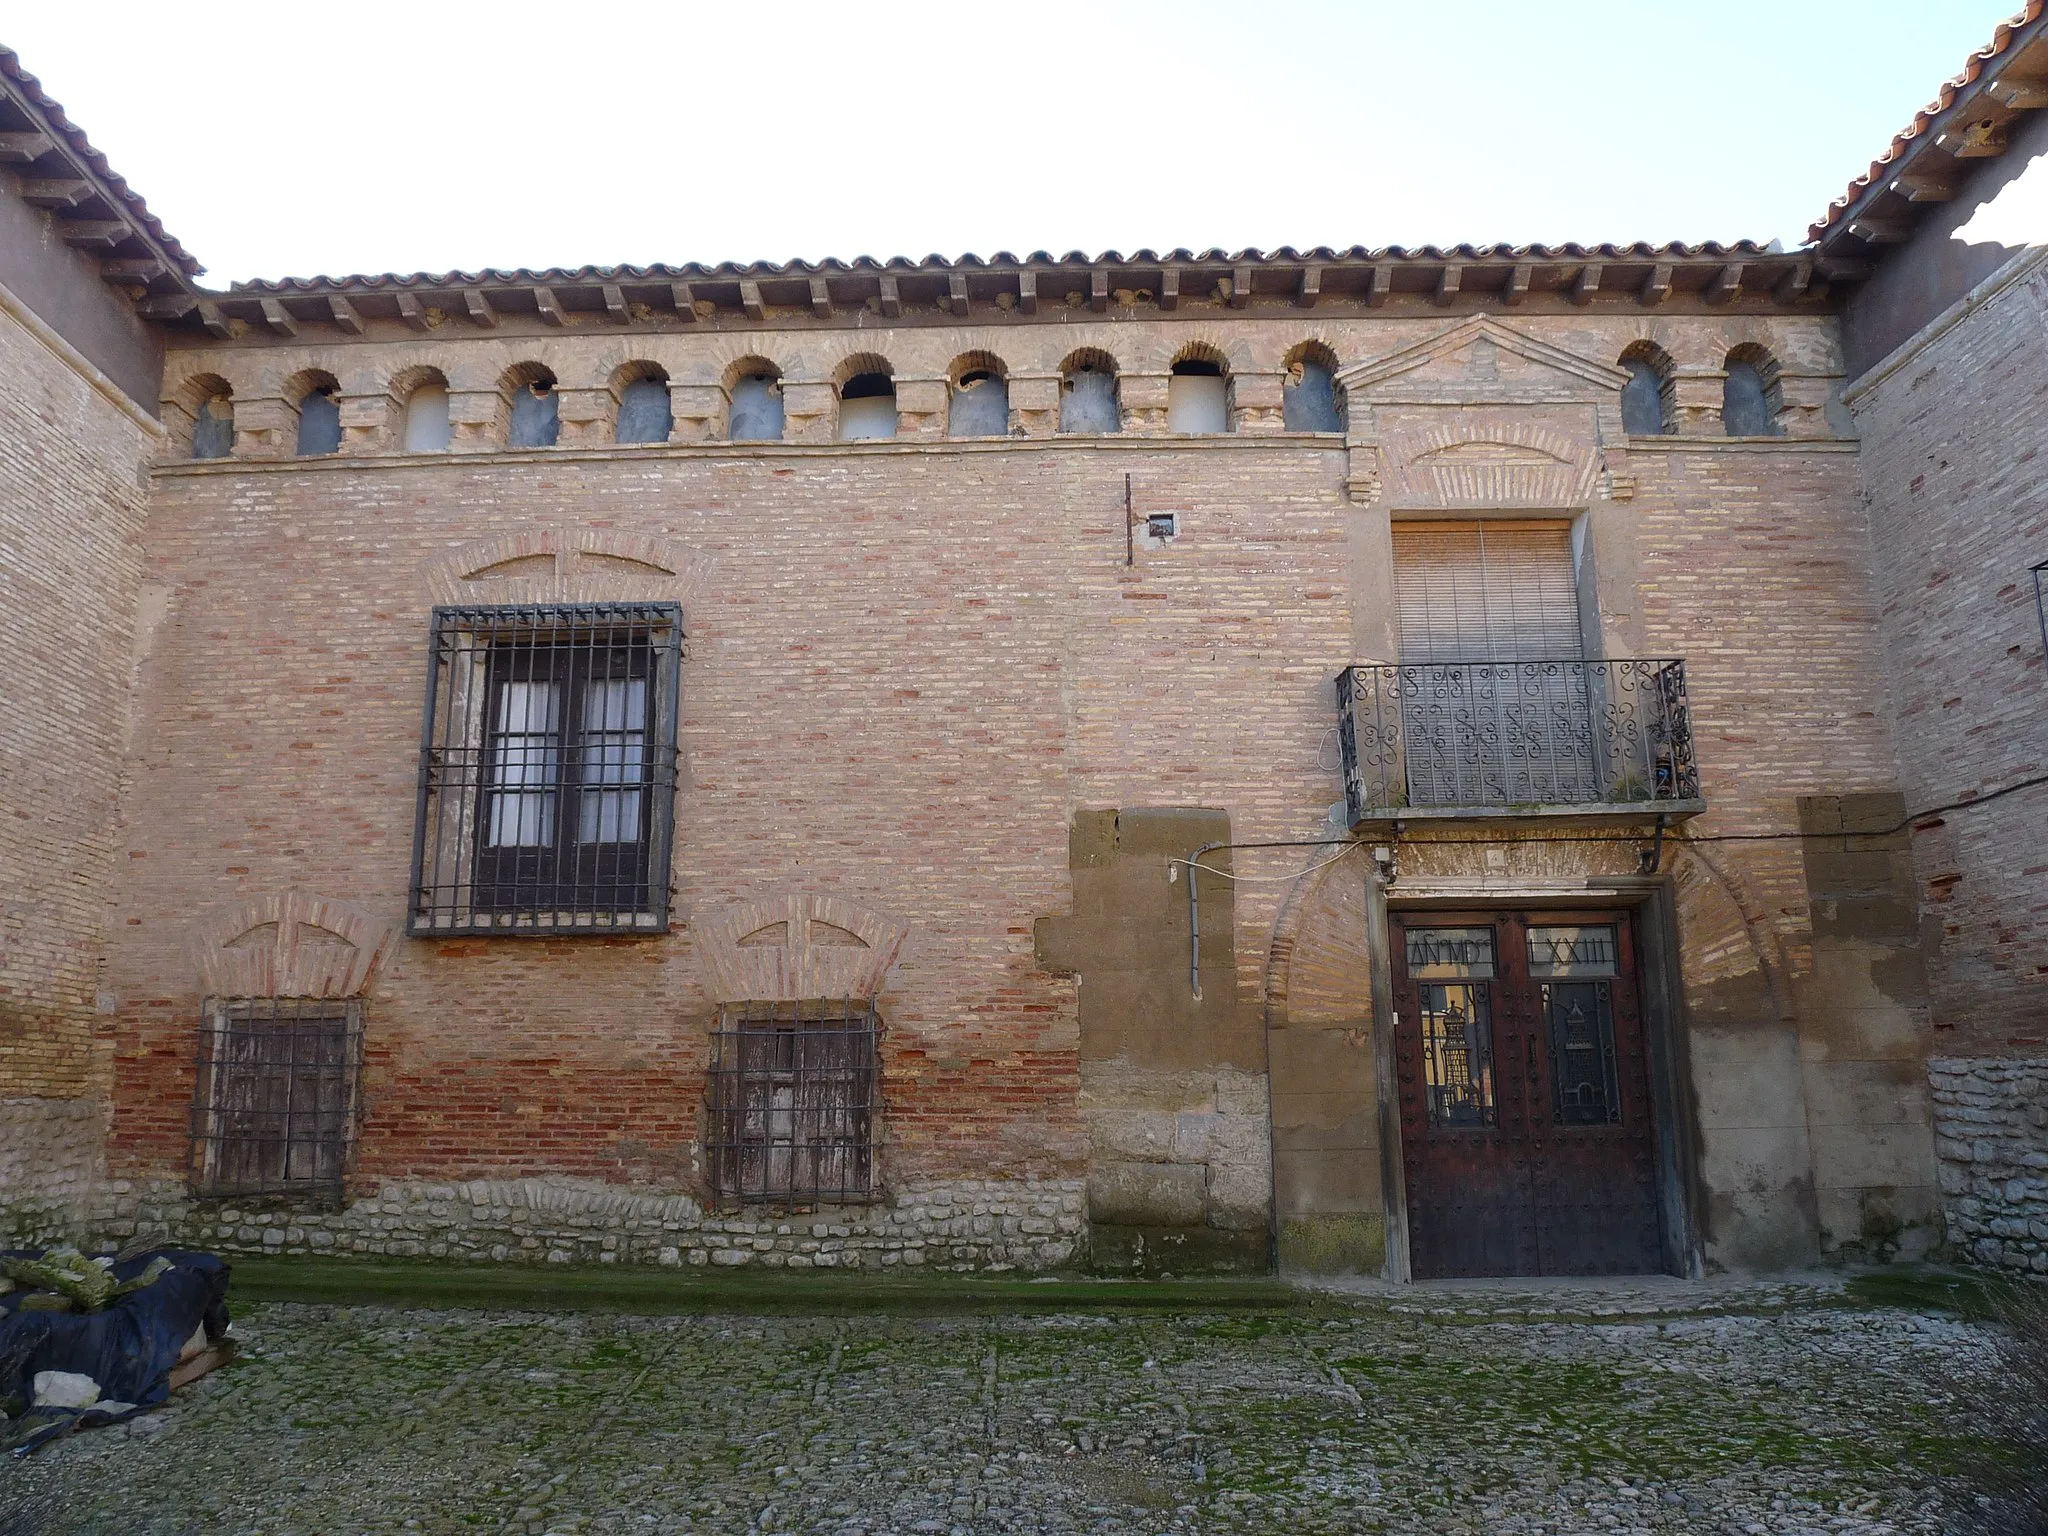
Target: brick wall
pixel 72 509
pixel 909 665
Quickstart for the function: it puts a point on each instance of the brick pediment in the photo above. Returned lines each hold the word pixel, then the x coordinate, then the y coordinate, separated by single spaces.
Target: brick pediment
pixel 289 944
pixel 1481 357
pixel 797 947
pixel 567 564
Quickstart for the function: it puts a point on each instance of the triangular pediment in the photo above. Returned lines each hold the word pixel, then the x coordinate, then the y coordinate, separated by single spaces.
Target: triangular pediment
pixel 1455 345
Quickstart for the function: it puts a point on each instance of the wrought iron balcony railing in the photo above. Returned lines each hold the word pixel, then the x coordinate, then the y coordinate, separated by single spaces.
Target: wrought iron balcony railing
pixel 1516 736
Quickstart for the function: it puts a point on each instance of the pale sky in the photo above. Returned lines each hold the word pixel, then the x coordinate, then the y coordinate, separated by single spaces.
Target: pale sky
pixel 286 140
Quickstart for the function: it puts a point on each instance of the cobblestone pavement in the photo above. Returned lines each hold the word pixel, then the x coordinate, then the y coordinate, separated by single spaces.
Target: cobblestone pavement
pixel 1777 1410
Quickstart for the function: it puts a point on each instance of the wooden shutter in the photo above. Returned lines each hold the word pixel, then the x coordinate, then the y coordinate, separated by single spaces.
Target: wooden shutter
pixel 1487 591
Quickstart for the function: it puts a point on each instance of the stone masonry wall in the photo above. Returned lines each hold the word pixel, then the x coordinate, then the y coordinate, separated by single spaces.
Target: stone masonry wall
pixel 1991 1121
pixel 969 1224
pixel 52 1166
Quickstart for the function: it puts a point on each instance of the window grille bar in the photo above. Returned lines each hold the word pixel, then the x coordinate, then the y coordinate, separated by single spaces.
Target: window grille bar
pixel 793 1102
pixel 275 1097
pixel 547 770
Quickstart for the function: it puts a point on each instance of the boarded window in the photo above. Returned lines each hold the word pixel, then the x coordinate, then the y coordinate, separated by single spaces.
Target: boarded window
pixel 319 422
pixel 274 1108
pixel 1308 400
pixel 980 406
pixel 794 1096
pixel 1747 405
pixel 867 406
pixel 1487 591
pixel 1197 398
pixel 213 430
pixel 1088 399
pixel 426 419
pixel 1643 411
pixel 536 415
pixel 757 409
pixel 644 415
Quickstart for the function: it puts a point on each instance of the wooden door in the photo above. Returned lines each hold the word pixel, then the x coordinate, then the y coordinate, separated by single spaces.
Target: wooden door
pixel 1525 1124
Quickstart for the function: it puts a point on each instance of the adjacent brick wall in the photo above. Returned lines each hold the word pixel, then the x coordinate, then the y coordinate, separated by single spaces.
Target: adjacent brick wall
pixel 72 509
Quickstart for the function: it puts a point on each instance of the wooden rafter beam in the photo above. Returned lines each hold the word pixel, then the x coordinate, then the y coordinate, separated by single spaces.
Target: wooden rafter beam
pixel 892 296
pixel 1241 288
pixel 750 299
pixel 1879 231
pixel 1310 288
pixel 549 307
pixel 167 306
pixel 55 191
pixel 1098 289
pixel 217 324
pixel 344 314
pixel 1379 282
pixel 133 269
pixel 1657 286
pixel 1169 287
pixel 1587 283
pixel 821 299
pixel 280 320
pixel 21 148
pixel 956 292
pixel 1793 285
pixel 93 234
pixel 1027 292
pixel 1726 286
pixel 479 308
pixel 410 312
pixel 2019 94
pixel 1516 288
pixel 1448 282
pixel 616 309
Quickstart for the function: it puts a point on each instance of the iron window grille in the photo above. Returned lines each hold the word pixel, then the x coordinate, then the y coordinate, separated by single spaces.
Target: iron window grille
pixel 547 770
pixel 794 1096
pixel 275 1103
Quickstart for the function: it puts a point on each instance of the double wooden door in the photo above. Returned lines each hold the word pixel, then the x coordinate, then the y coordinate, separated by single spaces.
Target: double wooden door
pixel 1524 1089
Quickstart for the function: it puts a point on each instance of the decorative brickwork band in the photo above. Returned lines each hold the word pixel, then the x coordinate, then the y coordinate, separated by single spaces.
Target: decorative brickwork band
pixel 794 947
pixel 290 944
pixel 565 564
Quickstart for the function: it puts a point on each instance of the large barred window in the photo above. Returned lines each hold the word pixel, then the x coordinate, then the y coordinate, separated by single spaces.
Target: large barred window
pixel 547 770
pixel 274 1108
pixel 794 1097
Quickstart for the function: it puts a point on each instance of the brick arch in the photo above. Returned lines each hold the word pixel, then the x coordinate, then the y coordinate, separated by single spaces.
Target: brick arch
pixel 799 949
pixel 290 943
pixel 567 564
pixel 1318 957
pixel 1497 463
pixel 1728 927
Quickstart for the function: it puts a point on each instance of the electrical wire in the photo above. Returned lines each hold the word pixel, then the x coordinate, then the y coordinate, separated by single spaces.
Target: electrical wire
pixel 1539 835
pixel 1209 869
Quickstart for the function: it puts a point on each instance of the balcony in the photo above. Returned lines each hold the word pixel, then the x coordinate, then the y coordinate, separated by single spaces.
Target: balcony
pixel 1517 738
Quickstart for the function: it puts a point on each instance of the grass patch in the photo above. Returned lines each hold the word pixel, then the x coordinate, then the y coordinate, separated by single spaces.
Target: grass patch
pixel 655 1292
pixel 1972 1297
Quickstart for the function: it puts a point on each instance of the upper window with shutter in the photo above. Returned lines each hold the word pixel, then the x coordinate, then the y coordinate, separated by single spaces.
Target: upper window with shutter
pixel 1487 591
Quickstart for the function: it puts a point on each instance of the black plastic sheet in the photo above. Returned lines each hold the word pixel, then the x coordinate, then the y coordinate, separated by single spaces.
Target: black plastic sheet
pixel 128 1347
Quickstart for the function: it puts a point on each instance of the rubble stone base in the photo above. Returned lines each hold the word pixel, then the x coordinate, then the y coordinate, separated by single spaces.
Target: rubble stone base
pixel 50 1168
pixel 967 1224
pixel 1991 1129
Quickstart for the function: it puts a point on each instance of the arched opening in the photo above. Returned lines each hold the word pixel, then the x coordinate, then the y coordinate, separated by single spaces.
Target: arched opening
pixel 1646 399
pixel 644 412
pixel 536 411
pixel 1310 400
pixel 754 387
pixel 318 399
pixel 1198 395
pixel 426 411
pixel 1088 393
pixel 979 405
pixel 1749 394
pixel 213 418
pixel 867 399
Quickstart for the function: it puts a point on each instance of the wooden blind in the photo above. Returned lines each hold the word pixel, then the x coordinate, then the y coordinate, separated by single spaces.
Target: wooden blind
pixel 1487 591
